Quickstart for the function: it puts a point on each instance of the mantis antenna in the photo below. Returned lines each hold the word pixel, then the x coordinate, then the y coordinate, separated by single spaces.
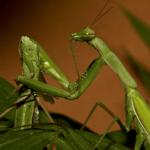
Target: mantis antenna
pixel 96 19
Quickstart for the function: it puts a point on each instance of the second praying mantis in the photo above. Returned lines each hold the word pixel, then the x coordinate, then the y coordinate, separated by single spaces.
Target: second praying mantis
pixel 136 107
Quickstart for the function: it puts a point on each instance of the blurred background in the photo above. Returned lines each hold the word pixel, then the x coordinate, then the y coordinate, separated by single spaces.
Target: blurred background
pixel 51 24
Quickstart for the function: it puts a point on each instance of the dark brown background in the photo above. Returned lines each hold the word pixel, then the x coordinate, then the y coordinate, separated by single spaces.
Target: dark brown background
pixel 51 23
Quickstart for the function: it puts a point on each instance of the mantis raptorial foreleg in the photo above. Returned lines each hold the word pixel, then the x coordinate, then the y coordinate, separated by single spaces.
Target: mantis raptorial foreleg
pixel 85 80
pixel 48 66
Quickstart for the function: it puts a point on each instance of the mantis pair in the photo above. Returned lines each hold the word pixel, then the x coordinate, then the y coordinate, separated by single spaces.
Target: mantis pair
pixel 136 107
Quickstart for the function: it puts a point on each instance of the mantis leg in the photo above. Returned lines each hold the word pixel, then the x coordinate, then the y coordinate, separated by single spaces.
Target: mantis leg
pixel 11 107
pixel 21 85
pixel 105 132
pixel 140 137
pixel 44 108
pixel 105 108
pixel 139 141
pixel 147 143
pixel 85 80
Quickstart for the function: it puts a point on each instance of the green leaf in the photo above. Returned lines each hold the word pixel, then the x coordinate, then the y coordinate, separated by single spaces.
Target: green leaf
pixel 62 144
pixel 123 138
pixel 104 144
pixel 6 100
pixel 12 135
pixel 54 137
pixel 5 124
pixel 77 141
pixel 25 140
pixel 49 126
pixel 142 28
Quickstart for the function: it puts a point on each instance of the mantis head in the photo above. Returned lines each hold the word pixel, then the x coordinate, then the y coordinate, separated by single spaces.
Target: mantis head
pixel 87 34
pixel 84 35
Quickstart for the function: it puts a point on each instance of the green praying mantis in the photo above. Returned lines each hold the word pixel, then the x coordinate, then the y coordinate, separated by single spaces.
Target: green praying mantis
pixel 136 107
